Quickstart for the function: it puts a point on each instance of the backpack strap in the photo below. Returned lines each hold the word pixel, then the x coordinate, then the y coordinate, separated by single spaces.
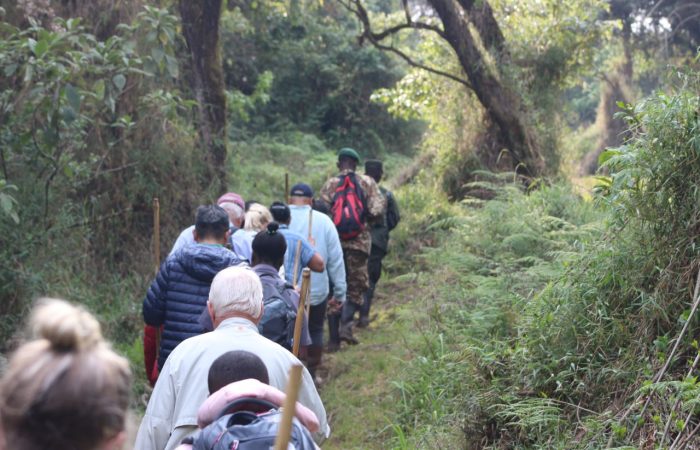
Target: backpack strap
pixel 244 403
pixel 360 193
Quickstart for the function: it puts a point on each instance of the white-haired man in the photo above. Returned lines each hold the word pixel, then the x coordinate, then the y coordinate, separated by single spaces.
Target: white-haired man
pixel 235 306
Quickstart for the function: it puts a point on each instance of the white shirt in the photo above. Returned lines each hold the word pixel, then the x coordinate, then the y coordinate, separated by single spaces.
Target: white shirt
pixel 181 388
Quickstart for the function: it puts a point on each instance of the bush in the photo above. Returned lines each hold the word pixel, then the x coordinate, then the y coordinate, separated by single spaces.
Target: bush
pixel 556 322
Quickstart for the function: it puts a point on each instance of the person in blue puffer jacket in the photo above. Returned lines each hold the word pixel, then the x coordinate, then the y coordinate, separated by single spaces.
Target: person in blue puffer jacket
pixel 180 291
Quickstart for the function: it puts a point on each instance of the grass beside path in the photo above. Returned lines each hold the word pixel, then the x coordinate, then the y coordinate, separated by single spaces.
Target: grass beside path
pixel 359 392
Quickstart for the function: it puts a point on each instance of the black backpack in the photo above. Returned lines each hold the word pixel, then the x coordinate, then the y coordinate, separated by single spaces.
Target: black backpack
pixel 348 210
pixel 279 315
pixel 246 430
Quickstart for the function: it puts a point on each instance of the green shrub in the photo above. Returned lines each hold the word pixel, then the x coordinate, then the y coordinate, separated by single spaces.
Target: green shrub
pixel 559 315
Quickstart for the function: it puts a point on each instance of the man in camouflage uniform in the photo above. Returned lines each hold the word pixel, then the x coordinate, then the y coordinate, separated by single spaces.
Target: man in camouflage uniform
pixel 380 237
pixel 355 250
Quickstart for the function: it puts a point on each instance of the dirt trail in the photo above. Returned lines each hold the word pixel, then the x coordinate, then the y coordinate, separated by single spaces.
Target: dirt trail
pixel 358 392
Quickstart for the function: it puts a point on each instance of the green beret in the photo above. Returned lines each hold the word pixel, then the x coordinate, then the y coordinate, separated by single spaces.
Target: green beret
pixel 350 153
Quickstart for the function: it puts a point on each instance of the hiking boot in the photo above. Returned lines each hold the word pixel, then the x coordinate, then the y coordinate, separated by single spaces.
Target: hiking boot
pixel 333 347
pixel 363 322
pixel 346 334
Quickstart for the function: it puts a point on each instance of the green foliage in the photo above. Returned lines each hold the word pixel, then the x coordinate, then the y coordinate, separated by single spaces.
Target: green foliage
pixel 555 318
pixel 557 43
pixel 486 265
pixel 8 203
pixel 314 77
pixel 85 142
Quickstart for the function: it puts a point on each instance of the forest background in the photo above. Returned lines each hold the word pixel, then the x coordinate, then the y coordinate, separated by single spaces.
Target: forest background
pixel 557 307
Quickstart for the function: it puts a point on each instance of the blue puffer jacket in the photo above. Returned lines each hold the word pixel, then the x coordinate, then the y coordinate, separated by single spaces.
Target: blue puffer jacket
pixel 180 292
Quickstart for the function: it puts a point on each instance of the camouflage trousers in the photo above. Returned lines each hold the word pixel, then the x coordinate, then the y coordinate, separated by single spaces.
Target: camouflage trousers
pixel 356 275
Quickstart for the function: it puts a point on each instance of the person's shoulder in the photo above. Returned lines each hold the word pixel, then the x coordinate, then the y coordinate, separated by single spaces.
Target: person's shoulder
pixel 187 231
pixel 368 182
pixel 188 349
pixel 320 217
pixel 290 233
pixel 331 182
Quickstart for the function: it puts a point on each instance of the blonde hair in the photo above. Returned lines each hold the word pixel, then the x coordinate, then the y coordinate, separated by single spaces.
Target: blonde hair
pixel 65 388
pixel 257 218
pixel 236 290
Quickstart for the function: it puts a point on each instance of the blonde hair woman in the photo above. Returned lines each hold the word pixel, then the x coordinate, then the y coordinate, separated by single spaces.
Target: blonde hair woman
pixel 65 389
pixel 256 218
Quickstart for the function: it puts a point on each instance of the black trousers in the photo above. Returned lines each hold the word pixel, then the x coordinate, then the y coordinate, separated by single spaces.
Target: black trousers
pixel 317 318
pixel 374 269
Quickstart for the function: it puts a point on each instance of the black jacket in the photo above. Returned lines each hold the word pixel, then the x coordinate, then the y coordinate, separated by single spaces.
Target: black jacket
pixel 180 292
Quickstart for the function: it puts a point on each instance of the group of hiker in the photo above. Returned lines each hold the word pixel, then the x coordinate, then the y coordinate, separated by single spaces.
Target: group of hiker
pixel 233 282
pixel 222 317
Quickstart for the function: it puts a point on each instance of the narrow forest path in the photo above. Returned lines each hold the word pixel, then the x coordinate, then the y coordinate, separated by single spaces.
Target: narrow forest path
pixel 359 390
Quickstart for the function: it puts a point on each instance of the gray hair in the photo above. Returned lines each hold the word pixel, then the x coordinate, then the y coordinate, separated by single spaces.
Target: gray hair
pixel 236 290
pixel 234 211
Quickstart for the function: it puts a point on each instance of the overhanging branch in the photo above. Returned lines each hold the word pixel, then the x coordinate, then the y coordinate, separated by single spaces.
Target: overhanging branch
pixel 357 8
pixel 418 65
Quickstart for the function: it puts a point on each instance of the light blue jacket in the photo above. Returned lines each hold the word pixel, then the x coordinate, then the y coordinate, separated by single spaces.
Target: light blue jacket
pixel 328 246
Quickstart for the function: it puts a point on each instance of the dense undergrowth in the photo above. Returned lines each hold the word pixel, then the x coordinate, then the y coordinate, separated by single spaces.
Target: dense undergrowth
pixel 551 317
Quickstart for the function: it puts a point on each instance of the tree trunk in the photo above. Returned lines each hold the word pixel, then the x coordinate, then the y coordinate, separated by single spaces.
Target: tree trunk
pixel 481 16
pixel 200 26
pixel 502 104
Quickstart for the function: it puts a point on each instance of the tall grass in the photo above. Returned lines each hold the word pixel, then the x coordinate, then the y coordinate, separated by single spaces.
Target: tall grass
pixel 552 315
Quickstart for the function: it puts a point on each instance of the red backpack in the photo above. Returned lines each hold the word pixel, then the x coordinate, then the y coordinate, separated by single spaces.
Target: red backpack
pixel 348 209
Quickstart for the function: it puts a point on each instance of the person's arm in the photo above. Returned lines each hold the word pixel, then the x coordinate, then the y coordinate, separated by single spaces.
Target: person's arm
pixel 154 303
pixel 392 211
pixel 375 200
pixel 328 191
pixel 185 238
pixel 335 265
pixel 156 425
pixel 311 258
pixel 316 263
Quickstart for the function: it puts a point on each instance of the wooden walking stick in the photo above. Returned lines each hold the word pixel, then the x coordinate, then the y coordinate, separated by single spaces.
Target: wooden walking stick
pixel 156 233
pixel 156 253
pixel 297 257
pixel 311 241
pixel 151 334
pixel 301 310
pixel 284 432
pixel 311 222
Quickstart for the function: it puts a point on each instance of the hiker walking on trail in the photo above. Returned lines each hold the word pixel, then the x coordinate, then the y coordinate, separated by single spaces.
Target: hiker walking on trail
pixel 280 299
pixel 235 307
pixel 300 253
pixel 256 219
pixel 354 201
pixel 380 237
pixel 326 242
pixel 234 206
pixel 179 293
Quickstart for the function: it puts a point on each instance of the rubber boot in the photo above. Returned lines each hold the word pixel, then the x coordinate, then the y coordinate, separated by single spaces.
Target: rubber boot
pixel 333 333
pixel 345 333
pixel 313 357
pixel 363 322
